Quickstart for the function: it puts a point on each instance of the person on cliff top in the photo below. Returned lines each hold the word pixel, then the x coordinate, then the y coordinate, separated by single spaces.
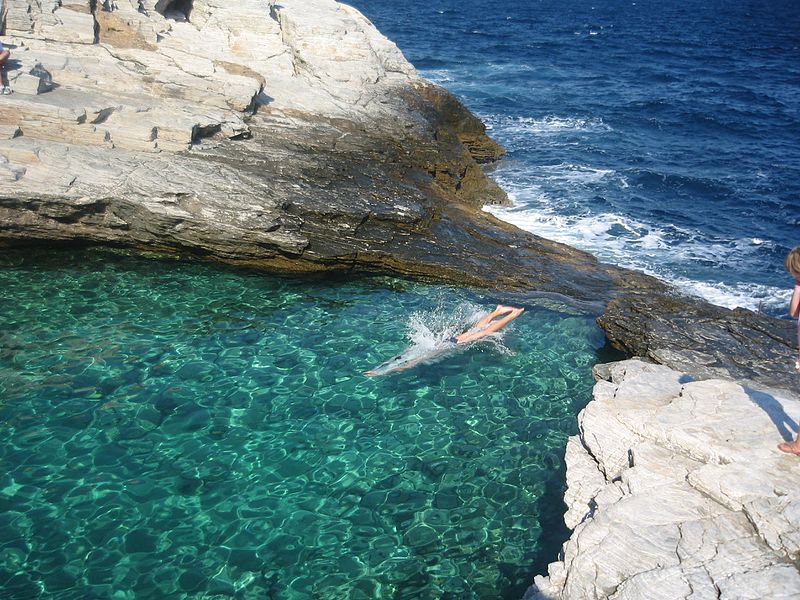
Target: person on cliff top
pixel 792 264
pixel 4 55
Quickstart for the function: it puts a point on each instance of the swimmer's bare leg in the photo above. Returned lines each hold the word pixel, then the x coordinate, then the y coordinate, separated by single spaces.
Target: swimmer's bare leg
pixel 512 313
pixel 500 310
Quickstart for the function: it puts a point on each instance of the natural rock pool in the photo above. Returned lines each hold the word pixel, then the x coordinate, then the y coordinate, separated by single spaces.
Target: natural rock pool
pixel 174 429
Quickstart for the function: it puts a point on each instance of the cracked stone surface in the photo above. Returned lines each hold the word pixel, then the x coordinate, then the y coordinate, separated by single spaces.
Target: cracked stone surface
pixel 676 490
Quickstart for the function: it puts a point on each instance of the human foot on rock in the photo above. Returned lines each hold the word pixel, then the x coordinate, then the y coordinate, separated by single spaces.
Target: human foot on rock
pixel 790 448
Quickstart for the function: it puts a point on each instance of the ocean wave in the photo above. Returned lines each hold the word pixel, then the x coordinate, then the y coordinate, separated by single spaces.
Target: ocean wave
pixel 675 182
pixel 548 125
pixel 666 252
pixel 427 63
pixel 674 153
pixel 608 235
pixel 574 173
pixel 754 296
pixel 439 76
pixel 565 175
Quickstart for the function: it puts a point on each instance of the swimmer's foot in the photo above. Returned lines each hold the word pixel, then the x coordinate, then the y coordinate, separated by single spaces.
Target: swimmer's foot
pixel 370 373
pixel 797 365
pixel 790 448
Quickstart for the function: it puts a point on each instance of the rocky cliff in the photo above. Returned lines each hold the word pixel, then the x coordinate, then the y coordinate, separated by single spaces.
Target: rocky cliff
pixel 285 135
pixel 676 490
pixel 292 136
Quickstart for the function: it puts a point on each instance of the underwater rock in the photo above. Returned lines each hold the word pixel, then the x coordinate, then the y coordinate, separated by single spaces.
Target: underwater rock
pixel 725 521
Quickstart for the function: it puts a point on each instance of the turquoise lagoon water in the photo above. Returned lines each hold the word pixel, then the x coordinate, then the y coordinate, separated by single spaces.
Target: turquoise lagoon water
pixel 179 430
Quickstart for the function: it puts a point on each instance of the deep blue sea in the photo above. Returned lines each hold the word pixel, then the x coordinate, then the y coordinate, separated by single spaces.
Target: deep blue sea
pixel 662 135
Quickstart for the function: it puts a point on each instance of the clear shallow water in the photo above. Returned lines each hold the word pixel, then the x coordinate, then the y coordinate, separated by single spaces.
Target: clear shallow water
pixel 660 135
pixel 185 431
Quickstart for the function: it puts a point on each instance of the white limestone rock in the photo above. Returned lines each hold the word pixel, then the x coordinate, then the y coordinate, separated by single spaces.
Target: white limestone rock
pixel 206 70
pixel 584 481
pixel 66 21
pixel 128 80
pixel 696 501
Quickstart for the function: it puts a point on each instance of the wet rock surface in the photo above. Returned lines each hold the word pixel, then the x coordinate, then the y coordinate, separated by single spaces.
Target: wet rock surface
pixel 703 340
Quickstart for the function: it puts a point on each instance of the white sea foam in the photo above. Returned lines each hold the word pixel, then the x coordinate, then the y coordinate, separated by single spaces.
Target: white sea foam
pixel 571 173
pixel 439 76
pixel 653 250
pixel 753 296
pixel 608 235
pixel 548 125
pixel 566 203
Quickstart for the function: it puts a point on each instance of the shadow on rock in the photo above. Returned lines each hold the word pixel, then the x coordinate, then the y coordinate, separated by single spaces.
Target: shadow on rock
pixel 774 409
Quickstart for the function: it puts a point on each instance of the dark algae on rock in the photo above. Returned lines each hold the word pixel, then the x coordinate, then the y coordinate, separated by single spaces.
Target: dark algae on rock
pixel 693 336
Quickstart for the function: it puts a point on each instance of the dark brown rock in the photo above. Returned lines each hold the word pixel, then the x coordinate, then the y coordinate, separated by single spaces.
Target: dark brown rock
pixel 703 340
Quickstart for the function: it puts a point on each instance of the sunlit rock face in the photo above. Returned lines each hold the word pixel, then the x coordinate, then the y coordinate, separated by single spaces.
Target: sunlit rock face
pixel 262 132
pixel 676 490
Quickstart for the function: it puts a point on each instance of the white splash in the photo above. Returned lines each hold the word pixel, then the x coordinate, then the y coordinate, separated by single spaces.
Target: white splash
pixel 753 296
pixel 439 76
pixel 636 245
pixel 430 337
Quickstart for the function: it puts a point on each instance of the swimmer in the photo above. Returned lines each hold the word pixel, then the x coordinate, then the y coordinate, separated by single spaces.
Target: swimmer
pixel 491 323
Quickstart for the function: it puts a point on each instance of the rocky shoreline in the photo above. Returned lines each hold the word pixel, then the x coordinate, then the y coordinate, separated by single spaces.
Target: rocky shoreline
pixel 293 137
pixel 676 490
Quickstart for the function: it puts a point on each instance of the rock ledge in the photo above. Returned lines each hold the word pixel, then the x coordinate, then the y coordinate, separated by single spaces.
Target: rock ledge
pixel 676 490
